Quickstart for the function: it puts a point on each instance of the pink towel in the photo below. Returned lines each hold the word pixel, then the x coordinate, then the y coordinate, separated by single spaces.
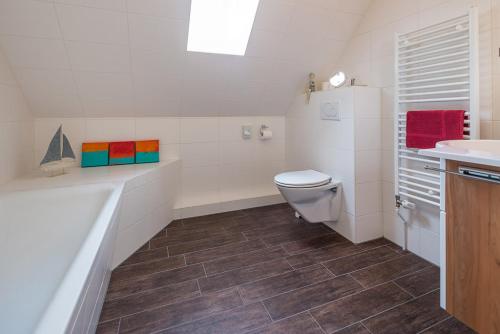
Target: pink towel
pixel 424 128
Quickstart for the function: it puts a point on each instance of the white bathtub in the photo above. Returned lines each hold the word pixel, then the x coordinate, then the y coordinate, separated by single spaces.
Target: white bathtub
pixel 56 247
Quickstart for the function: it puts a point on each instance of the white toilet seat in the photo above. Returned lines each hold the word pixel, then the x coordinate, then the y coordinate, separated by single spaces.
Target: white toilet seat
pixel 314 195
pixel 302 179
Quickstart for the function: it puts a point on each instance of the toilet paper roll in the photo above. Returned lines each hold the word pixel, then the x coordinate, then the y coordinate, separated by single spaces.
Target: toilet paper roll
pixel 266 134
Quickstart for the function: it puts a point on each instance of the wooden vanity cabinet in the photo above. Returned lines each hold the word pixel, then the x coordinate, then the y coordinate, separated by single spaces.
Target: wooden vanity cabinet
pixel 473 250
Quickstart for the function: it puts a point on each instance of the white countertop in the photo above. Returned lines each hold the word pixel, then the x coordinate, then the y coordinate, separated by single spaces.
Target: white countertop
pixel 78 176
pixel 483 152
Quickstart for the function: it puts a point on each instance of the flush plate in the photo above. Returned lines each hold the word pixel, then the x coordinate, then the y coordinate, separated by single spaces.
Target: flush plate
pixel 330 111
pixel 246 131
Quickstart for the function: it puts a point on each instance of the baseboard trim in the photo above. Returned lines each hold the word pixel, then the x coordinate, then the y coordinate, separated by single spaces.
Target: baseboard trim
pixel 240 204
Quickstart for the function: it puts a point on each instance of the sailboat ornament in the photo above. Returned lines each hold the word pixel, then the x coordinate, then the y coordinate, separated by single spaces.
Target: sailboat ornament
pixel 59 155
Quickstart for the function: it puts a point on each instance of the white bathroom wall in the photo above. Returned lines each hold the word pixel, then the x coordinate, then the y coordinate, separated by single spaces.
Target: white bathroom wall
pixel 16 127
pixel 128 58
pixel 370 58
pixel 220 170
pixel 495 32
pixel 348 150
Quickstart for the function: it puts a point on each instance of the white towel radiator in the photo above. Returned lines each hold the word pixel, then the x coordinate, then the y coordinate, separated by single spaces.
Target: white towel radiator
pixel 436 67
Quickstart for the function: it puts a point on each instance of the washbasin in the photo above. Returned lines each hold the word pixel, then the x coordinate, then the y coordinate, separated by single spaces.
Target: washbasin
pixel 482 147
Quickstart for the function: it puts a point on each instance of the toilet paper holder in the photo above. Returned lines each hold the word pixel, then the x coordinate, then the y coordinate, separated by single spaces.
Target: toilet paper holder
pixel 265 132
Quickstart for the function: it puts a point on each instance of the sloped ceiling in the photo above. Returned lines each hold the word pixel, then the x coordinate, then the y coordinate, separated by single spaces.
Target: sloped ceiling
pixel 110 58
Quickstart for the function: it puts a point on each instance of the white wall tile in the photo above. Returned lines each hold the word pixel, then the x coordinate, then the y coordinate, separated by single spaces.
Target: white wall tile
pixel 352 6
pixel 199 186
pixel 50 92
pixel 342 25
pixel 205 129
pixel 16 128
pixel 273 15
pixel 6 74
pixel 368 134
pixel 169 151
pixel 157 95
pixel 174 9
pixel 161 61
pixel 93 25
pixel 230 127
pixel 242 152
pixel 387 133
pixel 268 150
pixel 103 4
pixel 13 107
pixel 369 227
pixel 237 181
pixel 429 246
pixel 35 52
pixel 167 130
pixel 105 93
pixel 28 18
pixel 199 154
pixel 98 57
pixel 388 165
pixel 150 36
pixel 368 166
pixel 149 32
pixel 368 198
pixel 114 129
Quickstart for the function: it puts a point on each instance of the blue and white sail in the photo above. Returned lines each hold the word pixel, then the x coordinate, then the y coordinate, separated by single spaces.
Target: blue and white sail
pixel 59 153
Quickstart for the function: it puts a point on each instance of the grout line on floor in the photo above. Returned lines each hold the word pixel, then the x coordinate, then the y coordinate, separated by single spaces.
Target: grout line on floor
pixel 364 326
pixel 354 278
pixel 123 265
pixel 198 284
pixel 119 325
pixel 155 288
pixel 414 272
pixel 293 269
pixel 254 281
pixel 403 289
pixel 302 287
pixel 251 265
pixel 355 252
pixel 203 250
pixel 437 323
pixel 146 309
pixel 397 255
pixel 284 249
pixel 331 272
pixel 398 305
pixel 210 248
pixel 267 311
pixel 359 292
pixel 316 322
pixel 379 263
pixel 212 275
pixel 266 277
pixel 196 319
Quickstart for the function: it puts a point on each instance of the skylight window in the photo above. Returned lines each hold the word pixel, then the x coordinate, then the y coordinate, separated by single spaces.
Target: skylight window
pixel 221 26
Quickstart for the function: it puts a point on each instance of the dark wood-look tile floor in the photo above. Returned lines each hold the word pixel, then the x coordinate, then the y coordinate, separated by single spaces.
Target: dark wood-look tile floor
pixel 263 271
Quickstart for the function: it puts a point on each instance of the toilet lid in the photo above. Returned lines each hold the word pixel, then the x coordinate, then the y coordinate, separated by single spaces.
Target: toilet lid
pixel 302 178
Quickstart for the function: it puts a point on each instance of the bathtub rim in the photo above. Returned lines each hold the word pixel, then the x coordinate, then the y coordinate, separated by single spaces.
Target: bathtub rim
pixel 64 305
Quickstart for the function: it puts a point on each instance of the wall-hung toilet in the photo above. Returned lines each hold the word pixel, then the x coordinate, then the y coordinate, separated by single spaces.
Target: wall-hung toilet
pixel 315 196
